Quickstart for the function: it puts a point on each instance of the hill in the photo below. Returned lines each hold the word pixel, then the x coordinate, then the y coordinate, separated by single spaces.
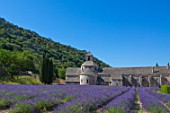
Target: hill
pixel 17 39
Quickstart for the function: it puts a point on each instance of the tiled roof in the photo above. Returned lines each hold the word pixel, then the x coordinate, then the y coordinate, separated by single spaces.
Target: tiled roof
pixel 117 72
pixel 73 71
pixel 89 63
pixel 89 53
pixel 88 71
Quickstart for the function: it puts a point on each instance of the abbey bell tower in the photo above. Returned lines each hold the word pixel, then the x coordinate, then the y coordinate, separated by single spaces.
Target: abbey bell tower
pixel 89 56
pixel 89 71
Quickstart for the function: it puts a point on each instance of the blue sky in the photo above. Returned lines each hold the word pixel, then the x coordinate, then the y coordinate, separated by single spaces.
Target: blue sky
pixel 119 32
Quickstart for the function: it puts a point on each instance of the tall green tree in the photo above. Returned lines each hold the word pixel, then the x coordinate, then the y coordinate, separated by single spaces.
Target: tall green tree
pixel 50 71
pixel 157 65
pixel 61 73
pixel 42 69
pixel 8 63
pixel 46 70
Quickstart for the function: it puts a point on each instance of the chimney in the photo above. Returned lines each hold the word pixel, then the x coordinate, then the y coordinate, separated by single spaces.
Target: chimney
pixel 153 69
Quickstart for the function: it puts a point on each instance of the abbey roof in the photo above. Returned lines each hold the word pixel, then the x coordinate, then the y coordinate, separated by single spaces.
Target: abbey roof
pixel 89 63
pixel 88 71
pixel 116 73
pixel 73 71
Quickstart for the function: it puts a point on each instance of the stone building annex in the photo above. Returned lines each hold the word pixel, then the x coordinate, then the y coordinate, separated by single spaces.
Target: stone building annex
pixel 124 76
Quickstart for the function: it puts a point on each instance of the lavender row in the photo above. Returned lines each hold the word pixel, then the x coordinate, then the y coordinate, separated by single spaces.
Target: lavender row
pixel 121 104
pixel 51 100
pixel 46 97
pixel 41 97
pixel 150 102
pixel 163 97
pixel 13 94
pixel 91 100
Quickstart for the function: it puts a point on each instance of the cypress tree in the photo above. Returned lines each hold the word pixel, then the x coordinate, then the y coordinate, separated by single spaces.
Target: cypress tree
pixel 51 72
pixel 157 65
pixel 46 72
pixel 42 69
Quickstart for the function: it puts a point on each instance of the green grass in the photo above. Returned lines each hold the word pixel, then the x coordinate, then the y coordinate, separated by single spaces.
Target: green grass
pixel 23 108
pixel 20 80
pixel 114 110
pixel 5 103
pixel 68 98
pixel 137 103
pixel 157 109
pixel 158 91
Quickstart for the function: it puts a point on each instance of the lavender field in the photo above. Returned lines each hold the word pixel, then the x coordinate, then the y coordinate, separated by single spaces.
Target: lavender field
pixel 81 99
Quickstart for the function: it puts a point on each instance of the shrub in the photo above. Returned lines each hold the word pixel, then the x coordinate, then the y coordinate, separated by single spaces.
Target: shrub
pixel 68 98
pixel 114 110
pixel 46 103
pixel 40 105
pixel 163 89
pixel 61 73
pixel 5 103
pixel 23 108
pixel 168 89
pixel 27 80
pixel 157 109
pixel 21 80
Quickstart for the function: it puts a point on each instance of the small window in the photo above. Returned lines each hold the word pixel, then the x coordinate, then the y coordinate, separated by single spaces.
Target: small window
pixel 81 81
pixel 87 81
pixel 93 81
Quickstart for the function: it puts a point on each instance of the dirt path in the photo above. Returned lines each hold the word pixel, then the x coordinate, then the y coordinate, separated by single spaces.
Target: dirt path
pixel 99 110
pixel 138 105
pixel 165 105
pixel 4 111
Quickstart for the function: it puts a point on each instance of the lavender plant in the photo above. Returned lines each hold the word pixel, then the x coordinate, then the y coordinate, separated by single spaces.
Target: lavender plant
pixel 121 104
pixel 163 97
pixel 90 100
pixel 76 98
pixel 46 97
pixel 151 103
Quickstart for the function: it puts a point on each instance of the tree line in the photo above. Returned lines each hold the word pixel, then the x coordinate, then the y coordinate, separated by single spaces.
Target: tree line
pixel 25 46
pixel 12 63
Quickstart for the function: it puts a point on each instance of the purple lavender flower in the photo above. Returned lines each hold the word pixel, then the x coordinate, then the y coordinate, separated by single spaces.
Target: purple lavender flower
pixel 150 102
pixel 124 102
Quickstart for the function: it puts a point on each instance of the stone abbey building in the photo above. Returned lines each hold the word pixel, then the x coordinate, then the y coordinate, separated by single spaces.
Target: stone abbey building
pixel 124 76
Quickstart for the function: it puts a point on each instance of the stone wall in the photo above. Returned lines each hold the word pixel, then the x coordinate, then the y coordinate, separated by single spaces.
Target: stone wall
pixel 116 83
pixel 87 79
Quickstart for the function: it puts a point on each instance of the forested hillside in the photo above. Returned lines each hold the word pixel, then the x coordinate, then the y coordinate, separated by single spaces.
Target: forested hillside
pixel 17 39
